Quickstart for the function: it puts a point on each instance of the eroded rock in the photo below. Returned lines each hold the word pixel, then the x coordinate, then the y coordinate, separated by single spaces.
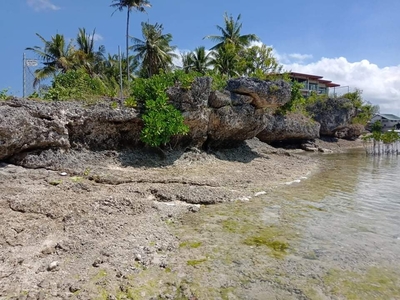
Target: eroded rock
pixel 264 93
pixel 289 127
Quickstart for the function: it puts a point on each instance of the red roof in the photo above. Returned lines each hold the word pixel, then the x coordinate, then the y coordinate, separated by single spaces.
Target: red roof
pixel 328 83
pixel 302 75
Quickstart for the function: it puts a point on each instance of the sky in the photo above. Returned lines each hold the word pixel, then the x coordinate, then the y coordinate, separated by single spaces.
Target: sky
pixel 355 43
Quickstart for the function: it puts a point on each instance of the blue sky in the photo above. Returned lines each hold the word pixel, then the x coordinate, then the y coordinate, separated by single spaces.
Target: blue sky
pixel 355 43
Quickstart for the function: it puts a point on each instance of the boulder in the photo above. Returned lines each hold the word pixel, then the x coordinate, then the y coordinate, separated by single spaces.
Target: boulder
pixel 27 126
pixel 289 127
pixel 230 124
pixel 350 132
pixel 332 114
pixel 264 93
pixel 193 103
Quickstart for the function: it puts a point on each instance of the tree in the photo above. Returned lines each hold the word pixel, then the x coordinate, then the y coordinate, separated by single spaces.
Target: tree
pixel 225 60
pixel 154 51
pixel 258 61
pixel 187 61
pixel 201 61
pixel 85 56
pixel 138 5
pixel 56 56
pixel 230 34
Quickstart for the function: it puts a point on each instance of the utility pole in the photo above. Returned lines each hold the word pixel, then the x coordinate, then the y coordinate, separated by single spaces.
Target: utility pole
pixel 120 71
pixel 23 76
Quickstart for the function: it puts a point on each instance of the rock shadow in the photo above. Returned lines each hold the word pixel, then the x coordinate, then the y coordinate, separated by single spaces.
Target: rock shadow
pixel 241 152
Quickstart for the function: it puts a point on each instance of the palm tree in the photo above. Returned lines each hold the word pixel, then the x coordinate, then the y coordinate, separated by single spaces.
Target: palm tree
pixel 138 5
pixel 85 56
pixel 225 60
pixel 200 60
pixel 230 34
pixel 56 56
pixel 187 61
pixel 154 51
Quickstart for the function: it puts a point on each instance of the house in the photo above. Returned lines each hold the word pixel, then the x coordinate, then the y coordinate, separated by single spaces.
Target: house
pixel 313 83
pixel 388 121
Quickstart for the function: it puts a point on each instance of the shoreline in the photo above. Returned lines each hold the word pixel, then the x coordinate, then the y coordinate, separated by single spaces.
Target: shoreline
pixel 62 235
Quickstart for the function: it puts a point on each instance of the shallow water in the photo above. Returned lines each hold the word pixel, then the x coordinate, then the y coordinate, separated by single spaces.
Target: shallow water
pixel 334 235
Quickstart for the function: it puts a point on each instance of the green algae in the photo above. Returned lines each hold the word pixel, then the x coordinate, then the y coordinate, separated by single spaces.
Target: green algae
pixel 196 262
pixel 189 244
pixel 375 283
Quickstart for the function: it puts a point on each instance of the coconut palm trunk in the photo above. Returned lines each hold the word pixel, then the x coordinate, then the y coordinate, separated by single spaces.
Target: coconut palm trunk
pixel 127 43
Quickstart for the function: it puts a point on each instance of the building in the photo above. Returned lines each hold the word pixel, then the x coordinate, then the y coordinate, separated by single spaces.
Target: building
pixel 388 121
pixel 313 83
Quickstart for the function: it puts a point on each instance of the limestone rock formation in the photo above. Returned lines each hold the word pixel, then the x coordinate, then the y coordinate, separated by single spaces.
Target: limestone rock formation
pixel 264 93
pixel 34 126
pixel 46 129
pixel 350 132
pixel 332 114
pixel 289 127
pixel 193 103
pixel 230 124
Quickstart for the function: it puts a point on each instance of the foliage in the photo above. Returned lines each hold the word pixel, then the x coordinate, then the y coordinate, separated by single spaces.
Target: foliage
pixel 258 61
pixel 154 52
pixel 161 122
pixel 75 85
pixel 138 5
pixel 219 81
pixel 364 111
pixel 4 94
pixel 377 127
pixel 56 56
pixel 230 34
pixel 226 60
pixel 297 102
pixel 130 102
pixel 144 89
pixel 198 60
pixel 387 137
pixel 161 119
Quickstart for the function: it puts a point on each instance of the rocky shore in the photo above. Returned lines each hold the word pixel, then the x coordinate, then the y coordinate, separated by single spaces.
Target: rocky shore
pixel 88 212
pixel 82 235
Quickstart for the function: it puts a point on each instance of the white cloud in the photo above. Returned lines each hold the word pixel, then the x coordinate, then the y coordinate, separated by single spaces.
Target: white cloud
pixel 300 57
pixel 379 85
pixel 39 5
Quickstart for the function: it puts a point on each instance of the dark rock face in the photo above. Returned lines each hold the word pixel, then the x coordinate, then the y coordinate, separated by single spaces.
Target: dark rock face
pixel 264 93
pixel 32 130
pixel 290 127
pixel 332 114
pixel 34 126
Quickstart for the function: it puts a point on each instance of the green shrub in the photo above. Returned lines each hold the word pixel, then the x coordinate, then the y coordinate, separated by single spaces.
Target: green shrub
pixel 161 122
pixel 130 102
pixel 161 119
pixel 75 84
pixel 219 81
